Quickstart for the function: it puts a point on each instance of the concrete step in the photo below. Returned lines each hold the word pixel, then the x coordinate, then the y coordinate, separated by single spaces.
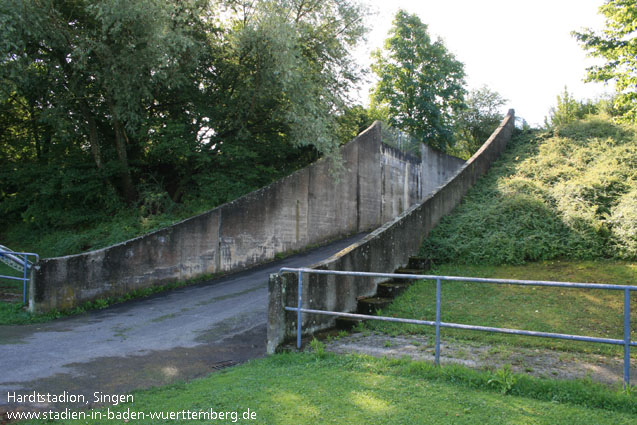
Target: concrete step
pixel 391 289
pixel 419 263
pixel 407 271
pixel 370 305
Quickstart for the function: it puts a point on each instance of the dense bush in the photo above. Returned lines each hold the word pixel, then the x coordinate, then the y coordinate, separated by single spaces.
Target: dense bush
pixel 568 193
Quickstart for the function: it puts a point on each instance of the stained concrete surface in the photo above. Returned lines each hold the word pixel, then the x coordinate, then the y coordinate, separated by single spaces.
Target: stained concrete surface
pixel 178 335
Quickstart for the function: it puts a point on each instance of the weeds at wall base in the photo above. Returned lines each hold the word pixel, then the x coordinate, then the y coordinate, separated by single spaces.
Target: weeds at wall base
pixel 15 313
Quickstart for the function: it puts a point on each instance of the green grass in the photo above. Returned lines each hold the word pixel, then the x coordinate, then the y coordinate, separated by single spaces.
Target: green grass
pixel 127 224
pixel 308 389
pixel 573 311
pixel 571 193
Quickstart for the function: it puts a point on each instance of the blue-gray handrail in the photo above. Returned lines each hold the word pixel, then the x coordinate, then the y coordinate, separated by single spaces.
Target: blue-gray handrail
pixel 19 261
pixel 626 342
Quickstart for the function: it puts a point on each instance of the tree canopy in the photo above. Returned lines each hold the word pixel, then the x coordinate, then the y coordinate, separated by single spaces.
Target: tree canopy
pixel 148 103
pixel 420 82
pixel 617 44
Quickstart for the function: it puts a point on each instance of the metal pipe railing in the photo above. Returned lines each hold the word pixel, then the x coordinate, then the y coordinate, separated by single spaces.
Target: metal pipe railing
pixel 438 323
pixel 19 261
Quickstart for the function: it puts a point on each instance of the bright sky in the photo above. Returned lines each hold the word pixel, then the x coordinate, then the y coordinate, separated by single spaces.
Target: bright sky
pixel 521 49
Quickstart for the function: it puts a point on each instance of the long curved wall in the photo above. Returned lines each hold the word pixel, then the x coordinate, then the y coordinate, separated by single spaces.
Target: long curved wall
pixel 308 207
pixel 383 250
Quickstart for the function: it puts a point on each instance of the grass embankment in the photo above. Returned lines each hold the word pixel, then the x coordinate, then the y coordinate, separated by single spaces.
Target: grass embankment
pixel 127 224
pixel 558 205
pixel 570 193
pixel 318 389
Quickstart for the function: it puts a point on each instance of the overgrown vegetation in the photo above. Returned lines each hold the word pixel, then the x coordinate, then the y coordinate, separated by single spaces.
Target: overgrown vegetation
pixel 570 192
pixel 120 117
pixel 568 109
pixel 560 205
pixel 475 123
pixel 305 389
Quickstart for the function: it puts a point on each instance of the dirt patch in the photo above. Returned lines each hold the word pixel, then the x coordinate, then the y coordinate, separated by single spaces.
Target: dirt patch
pixel 532 361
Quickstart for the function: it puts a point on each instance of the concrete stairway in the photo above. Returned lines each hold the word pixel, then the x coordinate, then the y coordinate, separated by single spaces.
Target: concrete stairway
pixel 17 262
pixel 385 293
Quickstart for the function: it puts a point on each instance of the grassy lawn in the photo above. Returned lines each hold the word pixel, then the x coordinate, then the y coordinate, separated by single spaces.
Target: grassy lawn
pixel 308 388
pixel 573 311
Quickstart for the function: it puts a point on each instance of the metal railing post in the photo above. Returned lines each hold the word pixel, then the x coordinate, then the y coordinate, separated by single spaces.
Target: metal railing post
pixel 24 283
pixel 438 296
pixel 298 314
pixel 626 338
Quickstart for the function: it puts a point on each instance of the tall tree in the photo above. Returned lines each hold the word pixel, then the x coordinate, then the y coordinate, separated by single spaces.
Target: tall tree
pixel 420 82
pixel 617 44
pixel 286 71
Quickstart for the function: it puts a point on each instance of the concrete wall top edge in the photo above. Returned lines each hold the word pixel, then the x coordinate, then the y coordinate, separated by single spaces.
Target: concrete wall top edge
pixel 509 116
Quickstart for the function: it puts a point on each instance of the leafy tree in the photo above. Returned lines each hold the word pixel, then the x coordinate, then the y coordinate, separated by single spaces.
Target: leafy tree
pixel 420 82
pixel 617 44
pixel 97 71
pixel 353 121
pixel 476 122
pixel 285 69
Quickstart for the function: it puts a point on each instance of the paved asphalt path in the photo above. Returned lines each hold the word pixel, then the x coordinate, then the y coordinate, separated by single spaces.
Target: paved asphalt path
pixel 177 335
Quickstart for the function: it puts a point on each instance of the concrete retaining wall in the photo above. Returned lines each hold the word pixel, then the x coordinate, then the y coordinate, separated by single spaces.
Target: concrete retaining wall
pixel 383 250
pixel 307 207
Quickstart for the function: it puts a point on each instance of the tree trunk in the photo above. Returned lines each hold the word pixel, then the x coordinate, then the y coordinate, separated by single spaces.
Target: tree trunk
pixel 92 135
pixel 128 189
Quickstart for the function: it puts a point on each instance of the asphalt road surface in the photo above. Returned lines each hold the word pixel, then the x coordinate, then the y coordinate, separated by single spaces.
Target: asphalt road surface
pixel 178 335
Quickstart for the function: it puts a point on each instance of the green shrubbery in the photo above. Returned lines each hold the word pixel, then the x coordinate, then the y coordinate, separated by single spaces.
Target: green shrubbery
pixel 570 192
